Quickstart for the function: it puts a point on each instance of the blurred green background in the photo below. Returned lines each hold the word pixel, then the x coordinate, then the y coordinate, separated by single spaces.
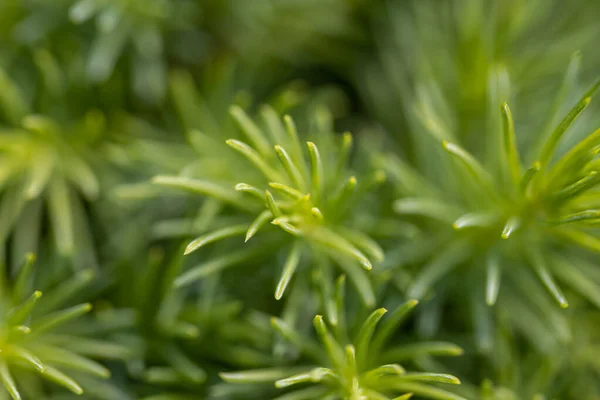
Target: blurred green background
pixel 468 183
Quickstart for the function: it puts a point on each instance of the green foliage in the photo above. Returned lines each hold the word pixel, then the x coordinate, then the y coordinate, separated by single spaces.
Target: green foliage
pixel 351 368
pixel 157 356
pixel 538 207
pixel 170 328
pixel 38 334
pixel 139 27
pixel 297 31
pixel 176 164
pixel 496 209
pixel 305 192
pixel 46 163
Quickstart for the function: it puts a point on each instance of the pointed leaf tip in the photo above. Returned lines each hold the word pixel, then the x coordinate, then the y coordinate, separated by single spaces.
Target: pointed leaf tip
pixel 215 236
pixel 289 269
pixel 319 324
pixel 317 213
pixel 511 225
pixel 431 377
pixel 24 329
pixel 366 264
